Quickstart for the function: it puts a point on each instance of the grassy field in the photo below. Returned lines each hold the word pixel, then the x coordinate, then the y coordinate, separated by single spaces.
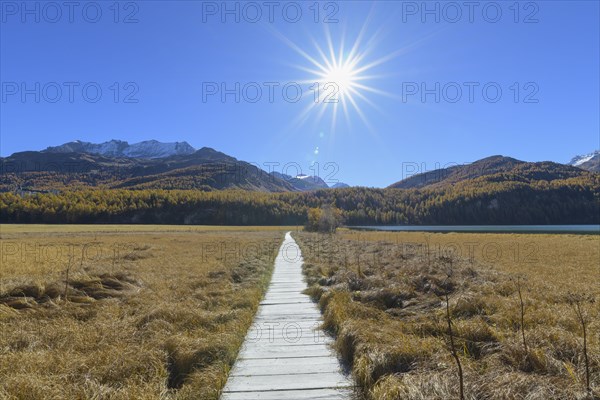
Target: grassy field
pixel 146 312
pixel 151 312
pixel 383 296
pixel 7 230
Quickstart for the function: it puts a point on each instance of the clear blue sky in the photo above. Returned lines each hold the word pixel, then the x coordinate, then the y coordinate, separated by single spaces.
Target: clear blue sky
pixel 174 47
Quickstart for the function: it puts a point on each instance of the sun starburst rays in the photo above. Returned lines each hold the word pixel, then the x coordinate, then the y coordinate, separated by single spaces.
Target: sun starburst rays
pixel 339 77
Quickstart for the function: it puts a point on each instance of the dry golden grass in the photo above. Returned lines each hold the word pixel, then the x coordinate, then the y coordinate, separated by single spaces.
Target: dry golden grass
pixel 383 297
pixel 6 230
pixel 151 313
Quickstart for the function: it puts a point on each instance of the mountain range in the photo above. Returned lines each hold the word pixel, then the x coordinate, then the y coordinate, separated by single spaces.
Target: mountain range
pixel 153 182
pixel 152 164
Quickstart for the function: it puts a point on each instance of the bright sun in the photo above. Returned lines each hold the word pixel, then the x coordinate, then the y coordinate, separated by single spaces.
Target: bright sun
pixel 341 77
pixel 338 78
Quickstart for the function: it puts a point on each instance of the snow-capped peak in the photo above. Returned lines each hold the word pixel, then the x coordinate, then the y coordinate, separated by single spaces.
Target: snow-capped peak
pixel 589 162
pixel 579 160
pixel 120 148
pixel 156 149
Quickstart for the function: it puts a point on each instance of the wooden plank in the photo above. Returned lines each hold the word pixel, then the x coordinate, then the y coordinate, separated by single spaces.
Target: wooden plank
pixel 315 394
pixel 294 336
pixel 321 380
pixel 289 308
pixel 286 292
pixel 281 322
pixel 284 366
pixel 286 351
pixel 270 330
pixel 282 318
pixel 277 311
pixel 272 301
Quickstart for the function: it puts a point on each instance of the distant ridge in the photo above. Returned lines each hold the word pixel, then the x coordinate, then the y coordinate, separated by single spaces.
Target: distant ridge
pixel 340 185
pixel 302 182
pixel 491 169
pixel 305 183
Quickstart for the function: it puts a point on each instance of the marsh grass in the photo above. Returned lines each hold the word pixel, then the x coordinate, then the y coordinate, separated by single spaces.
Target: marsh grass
pixel 146 315
pixel 388 311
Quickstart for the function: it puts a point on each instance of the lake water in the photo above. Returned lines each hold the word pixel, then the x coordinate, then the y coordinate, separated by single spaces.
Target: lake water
pixel 587 229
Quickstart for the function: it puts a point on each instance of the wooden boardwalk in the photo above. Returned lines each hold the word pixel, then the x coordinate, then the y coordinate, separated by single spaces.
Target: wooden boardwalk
pixel 285 354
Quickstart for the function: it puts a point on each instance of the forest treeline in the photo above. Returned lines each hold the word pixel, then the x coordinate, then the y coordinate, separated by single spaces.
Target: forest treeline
pixel 484 200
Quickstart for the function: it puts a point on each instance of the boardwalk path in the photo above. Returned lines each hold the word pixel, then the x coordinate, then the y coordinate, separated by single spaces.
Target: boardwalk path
pixel 285 354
